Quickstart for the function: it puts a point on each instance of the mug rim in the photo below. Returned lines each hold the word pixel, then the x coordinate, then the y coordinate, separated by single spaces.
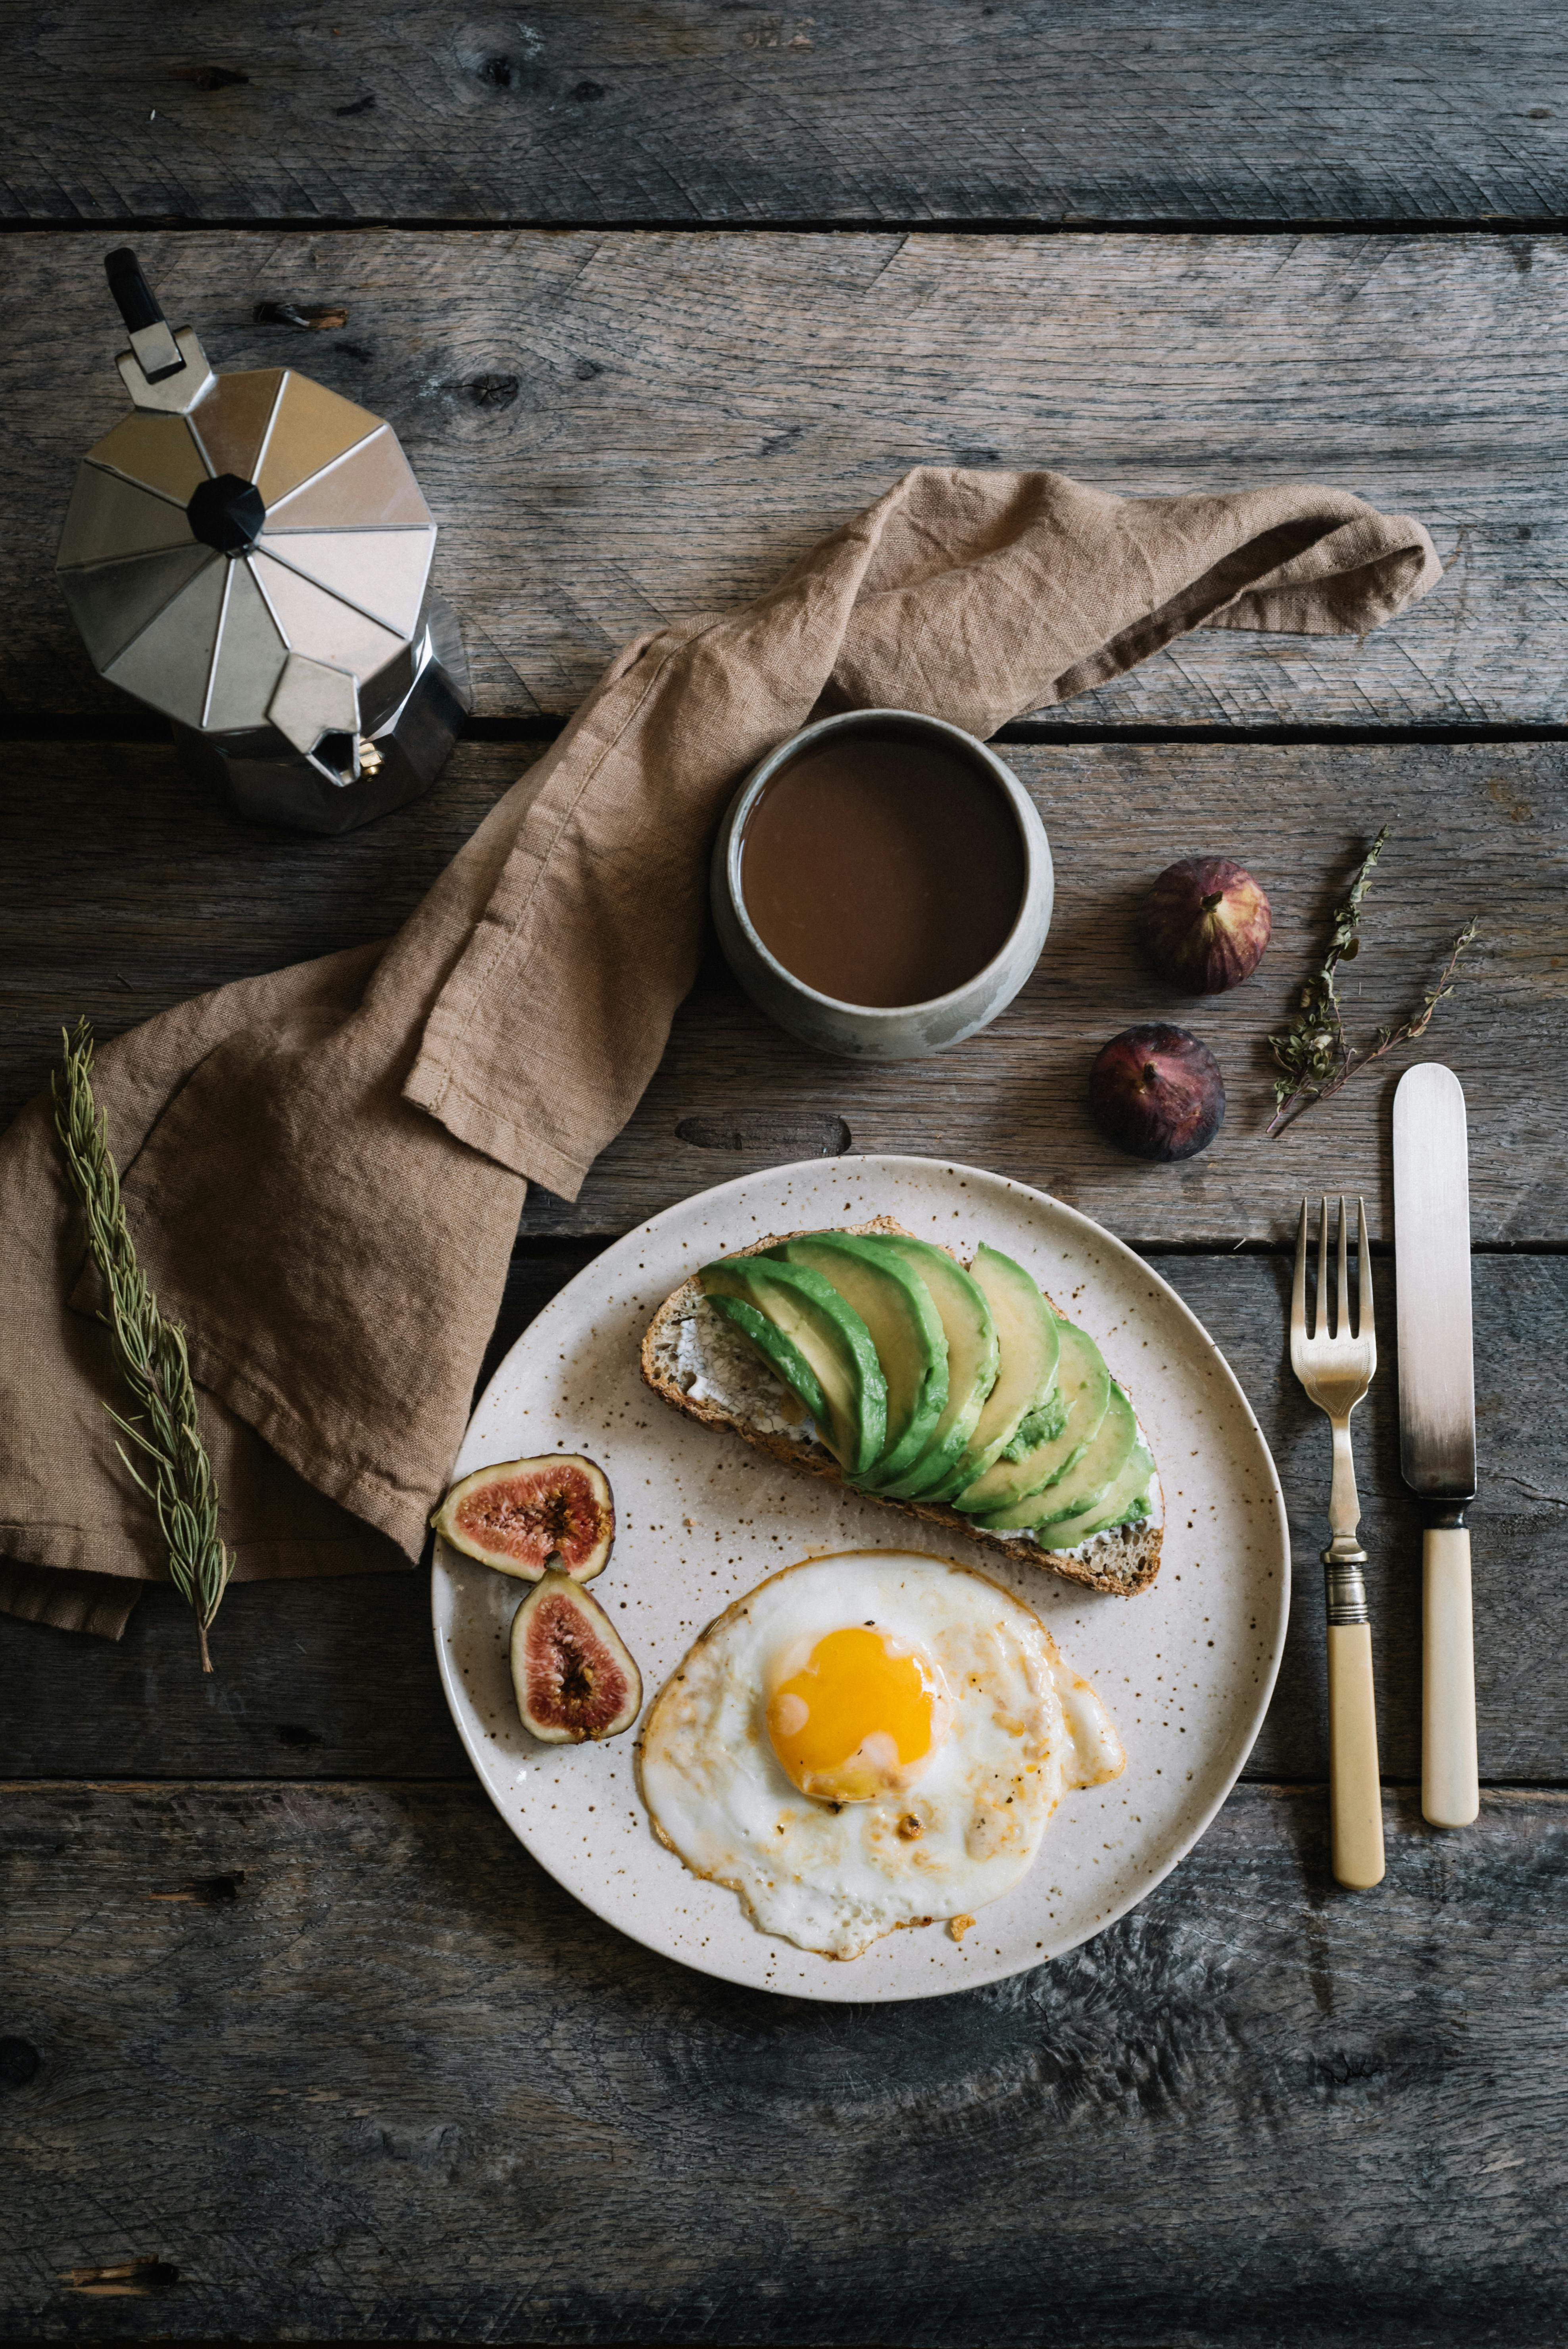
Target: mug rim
pixel 1020 806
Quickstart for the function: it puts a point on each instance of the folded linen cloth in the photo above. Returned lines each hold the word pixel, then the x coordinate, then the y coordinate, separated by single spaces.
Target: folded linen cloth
pixel 324 1168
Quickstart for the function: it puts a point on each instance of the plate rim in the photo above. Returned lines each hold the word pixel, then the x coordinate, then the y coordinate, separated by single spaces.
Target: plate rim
pixel 1088 1227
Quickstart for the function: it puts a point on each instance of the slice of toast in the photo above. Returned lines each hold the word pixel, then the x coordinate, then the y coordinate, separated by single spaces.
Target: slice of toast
pixel 1124 1560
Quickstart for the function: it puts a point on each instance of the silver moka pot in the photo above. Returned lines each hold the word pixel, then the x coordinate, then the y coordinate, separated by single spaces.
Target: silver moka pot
pixel 249 554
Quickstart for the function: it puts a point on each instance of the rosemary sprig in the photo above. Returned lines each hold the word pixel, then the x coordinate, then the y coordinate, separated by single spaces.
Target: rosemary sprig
pixel 150 1351
pixel 1315 1055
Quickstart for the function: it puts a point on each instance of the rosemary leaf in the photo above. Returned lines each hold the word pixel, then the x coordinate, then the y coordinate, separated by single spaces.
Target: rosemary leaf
pixel 149 1351
pixel 1314 1054
pixel 1312 1048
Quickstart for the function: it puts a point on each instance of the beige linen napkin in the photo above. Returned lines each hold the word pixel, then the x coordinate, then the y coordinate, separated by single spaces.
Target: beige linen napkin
pixel 324 1168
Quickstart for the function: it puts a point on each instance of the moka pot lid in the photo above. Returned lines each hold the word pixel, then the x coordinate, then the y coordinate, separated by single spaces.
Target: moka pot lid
pixel 243 549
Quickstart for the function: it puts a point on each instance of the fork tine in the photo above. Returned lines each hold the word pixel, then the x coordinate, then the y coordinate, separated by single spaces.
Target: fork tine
pixel 1342 1321
pixel 1320 1320
pixel 1298 1292
pixel 1363 1277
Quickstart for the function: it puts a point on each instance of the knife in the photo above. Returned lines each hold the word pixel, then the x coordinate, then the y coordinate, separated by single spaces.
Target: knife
pixel 1436 1418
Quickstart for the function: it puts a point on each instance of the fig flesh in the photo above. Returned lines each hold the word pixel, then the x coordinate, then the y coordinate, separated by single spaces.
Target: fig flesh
pixel 570 1669
pixel 1206 924
pixel 1158 1093
pixel 523 1515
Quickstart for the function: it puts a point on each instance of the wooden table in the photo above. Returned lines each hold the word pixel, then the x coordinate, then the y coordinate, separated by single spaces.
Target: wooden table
pixel 293 2039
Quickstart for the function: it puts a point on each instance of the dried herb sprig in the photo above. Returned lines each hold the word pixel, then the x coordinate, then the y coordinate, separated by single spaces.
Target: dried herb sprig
pixel 1315 1055
pixel 150 1351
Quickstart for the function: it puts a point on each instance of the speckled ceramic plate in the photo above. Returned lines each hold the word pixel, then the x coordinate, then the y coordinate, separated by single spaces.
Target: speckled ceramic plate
pixel 1186 1668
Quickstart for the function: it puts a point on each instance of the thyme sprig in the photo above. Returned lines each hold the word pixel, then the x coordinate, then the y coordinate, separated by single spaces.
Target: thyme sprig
pixel 1316 1057
pixel 149 1351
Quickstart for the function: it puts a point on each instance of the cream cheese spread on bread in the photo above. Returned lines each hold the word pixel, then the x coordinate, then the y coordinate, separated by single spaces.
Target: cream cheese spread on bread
pixel 715 1364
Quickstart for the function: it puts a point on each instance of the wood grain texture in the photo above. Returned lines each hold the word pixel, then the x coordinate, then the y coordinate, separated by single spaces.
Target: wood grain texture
pixel 128 888
pixel 1483 830
pixel 1520 1521
pixel 333 1680
pixel 614 429
pixel 695 110
pixel 349 2065
pixel 324 2060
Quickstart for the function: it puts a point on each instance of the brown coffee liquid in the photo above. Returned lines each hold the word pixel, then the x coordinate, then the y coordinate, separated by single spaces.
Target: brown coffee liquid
pixel 882 871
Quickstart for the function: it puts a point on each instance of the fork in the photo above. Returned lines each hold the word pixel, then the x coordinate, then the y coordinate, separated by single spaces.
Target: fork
pixel 1335 1368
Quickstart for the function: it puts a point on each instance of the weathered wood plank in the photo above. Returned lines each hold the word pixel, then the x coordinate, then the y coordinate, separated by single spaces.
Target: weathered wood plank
pixel 1519 1522
pixel 127 889
pixel 688 111
pixel 126 886
pixel 613 427
pixel 320 1678
pixel 1475 829
pixel 438 2100
pixel 332 1680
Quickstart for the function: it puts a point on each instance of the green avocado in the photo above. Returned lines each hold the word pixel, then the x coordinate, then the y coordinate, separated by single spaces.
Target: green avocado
pixel 781 1354
pixel 973 1355
pixel 1029 1343
pixel 906 1329
pixel 1083 1389
pixel 1125 1500
pixel 837 1346
pixel 1074 1494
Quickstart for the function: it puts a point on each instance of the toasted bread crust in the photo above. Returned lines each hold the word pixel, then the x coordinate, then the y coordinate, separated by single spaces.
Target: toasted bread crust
pixel 1124 1561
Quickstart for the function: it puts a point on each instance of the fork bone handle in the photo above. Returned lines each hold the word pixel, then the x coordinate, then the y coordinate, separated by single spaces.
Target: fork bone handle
pixel 1355 1787
pixel 1451 1788
pixel 1354 1781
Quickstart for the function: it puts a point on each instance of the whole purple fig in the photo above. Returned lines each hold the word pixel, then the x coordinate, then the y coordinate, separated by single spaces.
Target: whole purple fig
pixel 1158 1093
pixel 1206 924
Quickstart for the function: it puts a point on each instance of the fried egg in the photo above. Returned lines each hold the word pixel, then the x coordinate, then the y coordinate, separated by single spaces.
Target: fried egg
pixel 868 1741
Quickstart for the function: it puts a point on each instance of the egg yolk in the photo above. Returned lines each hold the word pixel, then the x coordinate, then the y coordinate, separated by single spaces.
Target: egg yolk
pixel 861 1718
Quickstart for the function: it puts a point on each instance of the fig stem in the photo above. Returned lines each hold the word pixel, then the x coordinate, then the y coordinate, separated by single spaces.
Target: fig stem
pixel 1216 899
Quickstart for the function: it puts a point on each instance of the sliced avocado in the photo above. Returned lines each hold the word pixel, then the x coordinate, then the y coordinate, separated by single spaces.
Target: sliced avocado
pixel 906 1329
pixel 1038 1427
pixel 1076 1493
pixel 1029 1343
pixel 781 1354
pixel 973 1355
pixel 1125 1500
pixel 1083 1385
pixel 835 1341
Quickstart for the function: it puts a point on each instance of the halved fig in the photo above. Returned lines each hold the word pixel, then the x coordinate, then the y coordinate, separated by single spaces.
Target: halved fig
pixel 524 1516
pixel 570 1669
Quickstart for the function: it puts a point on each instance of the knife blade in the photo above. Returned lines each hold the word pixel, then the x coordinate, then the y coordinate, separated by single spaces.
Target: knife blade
pixel 1437 1417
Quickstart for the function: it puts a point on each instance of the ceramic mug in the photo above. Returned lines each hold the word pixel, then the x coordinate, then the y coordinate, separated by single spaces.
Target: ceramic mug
pixel 902 1031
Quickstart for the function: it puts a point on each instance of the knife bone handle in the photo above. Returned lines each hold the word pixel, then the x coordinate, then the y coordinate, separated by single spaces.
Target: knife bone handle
pixel 1451 1788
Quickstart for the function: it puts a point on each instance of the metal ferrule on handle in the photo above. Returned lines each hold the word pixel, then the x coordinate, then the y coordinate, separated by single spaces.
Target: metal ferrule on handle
pixel 1345 1587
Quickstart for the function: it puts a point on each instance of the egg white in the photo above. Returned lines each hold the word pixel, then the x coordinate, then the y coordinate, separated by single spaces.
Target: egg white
pixel 1023 1729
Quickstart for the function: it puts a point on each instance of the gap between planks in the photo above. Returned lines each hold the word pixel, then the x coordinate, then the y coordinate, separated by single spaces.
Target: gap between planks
pixel 869 225
pixel 136 726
